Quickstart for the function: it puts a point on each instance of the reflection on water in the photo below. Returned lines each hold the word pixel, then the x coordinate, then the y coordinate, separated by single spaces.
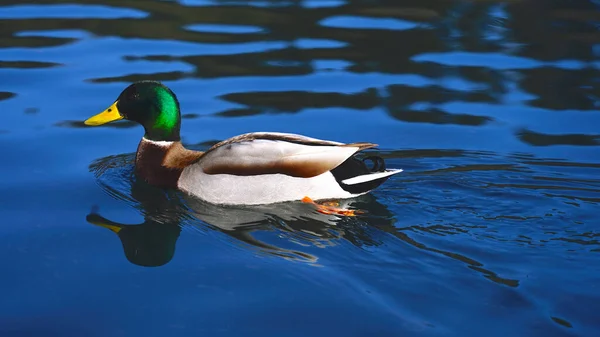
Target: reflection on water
pixel 153 242
pixel 411 61
pixel 490 107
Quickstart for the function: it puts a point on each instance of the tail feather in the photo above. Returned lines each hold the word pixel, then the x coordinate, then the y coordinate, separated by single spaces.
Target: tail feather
pixel 354 176
pixel 361 146
pixel 370 177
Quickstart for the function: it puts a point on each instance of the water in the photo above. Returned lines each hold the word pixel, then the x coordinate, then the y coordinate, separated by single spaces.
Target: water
pixel 490 108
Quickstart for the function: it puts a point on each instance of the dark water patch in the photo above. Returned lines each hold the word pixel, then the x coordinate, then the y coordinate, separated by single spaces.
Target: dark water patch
pixel 27 64
pixel 564 163
pixel 562 322
pixel 240 112
pixel 6 95
pixel 403 100
pixel 295 101
pixel 436 116
pixel 190 116
pixel 580 241
pixel 166 76
pixel 543 139
pixel 575 198
pixel 47 33
pixel 409 13
pixel 587 16
pixel 33 42
pixel 570 181
pixel 406 95
pixel 560 89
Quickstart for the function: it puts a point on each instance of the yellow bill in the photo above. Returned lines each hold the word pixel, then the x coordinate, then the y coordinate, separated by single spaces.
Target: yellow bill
pixel 115 229
pixel 109 115
pixel 98 220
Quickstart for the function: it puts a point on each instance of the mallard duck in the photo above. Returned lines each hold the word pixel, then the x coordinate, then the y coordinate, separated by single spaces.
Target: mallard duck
pixel 252 168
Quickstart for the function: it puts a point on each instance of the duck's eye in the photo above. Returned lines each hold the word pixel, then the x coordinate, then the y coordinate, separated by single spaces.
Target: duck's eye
pixel 130 94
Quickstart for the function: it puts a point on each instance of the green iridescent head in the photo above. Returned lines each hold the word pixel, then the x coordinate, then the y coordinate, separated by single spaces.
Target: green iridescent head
pixel 149 103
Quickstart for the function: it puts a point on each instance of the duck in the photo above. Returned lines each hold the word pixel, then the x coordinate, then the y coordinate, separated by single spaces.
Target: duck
pixel 249 169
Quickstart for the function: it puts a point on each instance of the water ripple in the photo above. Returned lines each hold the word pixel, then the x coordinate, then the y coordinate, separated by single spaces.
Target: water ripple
pixel 361 22
pixel 19 12
pixel 225 29
pixel 498 61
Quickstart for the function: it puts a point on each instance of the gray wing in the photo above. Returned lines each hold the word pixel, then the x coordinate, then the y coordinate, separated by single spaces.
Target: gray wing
pixel 272 153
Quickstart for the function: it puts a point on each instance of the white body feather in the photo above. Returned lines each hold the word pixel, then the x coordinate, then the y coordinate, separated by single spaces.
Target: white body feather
pixel 258 189
pixel 273 187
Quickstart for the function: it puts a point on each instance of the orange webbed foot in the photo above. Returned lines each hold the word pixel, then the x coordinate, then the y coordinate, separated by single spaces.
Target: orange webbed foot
pixel 331 207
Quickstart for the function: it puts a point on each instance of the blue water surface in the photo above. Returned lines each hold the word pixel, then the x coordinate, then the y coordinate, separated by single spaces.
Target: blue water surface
pixel 490 107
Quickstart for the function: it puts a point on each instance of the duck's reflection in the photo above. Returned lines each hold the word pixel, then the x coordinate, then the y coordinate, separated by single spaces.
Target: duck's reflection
pixel 152 243
pixel 149 244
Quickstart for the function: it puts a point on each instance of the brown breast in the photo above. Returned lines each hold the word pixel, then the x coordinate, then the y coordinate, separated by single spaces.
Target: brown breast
pixel 161 165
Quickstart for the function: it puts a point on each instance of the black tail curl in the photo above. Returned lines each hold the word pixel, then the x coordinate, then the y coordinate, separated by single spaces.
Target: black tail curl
pixel 354 167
